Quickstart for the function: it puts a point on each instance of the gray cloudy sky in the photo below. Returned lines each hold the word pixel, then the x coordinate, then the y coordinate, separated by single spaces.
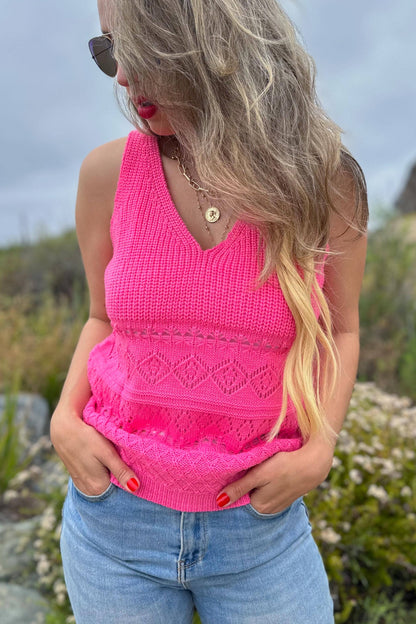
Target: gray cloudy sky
pixel 56 106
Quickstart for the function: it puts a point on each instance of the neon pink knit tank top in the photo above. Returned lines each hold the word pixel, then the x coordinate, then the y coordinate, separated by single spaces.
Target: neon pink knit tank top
pixel 188 384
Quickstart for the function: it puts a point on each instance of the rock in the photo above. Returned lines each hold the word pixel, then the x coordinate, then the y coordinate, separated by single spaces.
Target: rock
pixel 31 415
pixel 16 551
pixel 406 202
pixel 52 477
pixel 19 605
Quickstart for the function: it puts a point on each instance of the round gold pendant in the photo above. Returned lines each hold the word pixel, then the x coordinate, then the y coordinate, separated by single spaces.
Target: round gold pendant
pixel 212 214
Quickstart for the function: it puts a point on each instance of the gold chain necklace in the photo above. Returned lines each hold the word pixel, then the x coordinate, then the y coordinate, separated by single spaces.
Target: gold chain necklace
pixel 212 214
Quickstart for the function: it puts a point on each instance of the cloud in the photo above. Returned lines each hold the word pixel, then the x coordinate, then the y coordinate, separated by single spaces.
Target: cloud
pixel 57 106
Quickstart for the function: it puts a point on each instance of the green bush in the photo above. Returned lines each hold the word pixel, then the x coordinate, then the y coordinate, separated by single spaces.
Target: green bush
pixel 364 514
pixel 388 309
pixel 43 305
pixel 39 342
pixel 51 265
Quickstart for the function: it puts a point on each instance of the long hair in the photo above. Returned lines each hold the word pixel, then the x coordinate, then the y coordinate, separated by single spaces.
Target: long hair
pixel 239 91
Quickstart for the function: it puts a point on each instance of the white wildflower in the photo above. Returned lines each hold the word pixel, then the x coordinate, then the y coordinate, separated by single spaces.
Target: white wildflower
pixel 346 526
pixel 378 492
pixel 346 443
pixel 409 454
pixel 43 566
pixel 70 619
pixel 387 466
pixel 48 519
pixel 60 599
pixel 59 587
pixel 375 418
pixel 38 544
pixel 365 462
pixel 406 491
pixel 335 494
pixel 355 476
pixel 321 524
pixel 336 462
pixel 397 453
pixel 365 448
pixel 376 444
pixel 329 536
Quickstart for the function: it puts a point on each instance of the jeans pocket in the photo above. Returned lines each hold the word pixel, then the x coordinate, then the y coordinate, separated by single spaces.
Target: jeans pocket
pixel 263 516
pixel 98 497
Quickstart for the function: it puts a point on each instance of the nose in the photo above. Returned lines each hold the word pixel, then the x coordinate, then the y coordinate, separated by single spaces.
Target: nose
pixel 121 76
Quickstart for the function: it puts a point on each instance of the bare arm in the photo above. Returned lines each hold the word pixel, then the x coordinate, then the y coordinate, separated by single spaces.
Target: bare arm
pixel 87 455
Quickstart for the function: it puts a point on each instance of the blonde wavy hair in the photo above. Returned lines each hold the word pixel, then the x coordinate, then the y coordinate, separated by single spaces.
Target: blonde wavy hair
pixel 239 91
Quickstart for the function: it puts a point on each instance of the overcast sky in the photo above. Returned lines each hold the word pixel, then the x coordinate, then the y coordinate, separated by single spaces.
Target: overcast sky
pixel 56 106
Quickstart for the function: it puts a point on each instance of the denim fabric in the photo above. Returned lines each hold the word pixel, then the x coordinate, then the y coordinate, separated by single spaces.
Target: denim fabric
pixel 129 561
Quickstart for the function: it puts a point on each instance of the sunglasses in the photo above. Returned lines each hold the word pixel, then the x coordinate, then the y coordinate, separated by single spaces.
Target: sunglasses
pixel 101 49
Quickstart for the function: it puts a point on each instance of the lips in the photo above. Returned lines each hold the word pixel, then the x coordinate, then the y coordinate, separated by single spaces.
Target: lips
pixel 145 108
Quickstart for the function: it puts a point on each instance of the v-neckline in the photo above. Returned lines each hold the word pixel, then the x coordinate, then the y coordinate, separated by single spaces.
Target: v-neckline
pixel 172 214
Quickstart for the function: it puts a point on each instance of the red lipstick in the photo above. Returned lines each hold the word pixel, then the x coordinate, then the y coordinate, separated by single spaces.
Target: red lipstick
pixel 145 108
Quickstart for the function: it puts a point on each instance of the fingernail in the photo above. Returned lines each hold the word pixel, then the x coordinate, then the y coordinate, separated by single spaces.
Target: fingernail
pixel 223 499
pixel 132 484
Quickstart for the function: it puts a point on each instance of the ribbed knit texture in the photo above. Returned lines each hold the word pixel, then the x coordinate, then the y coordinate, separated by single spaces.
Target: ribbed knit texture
pixel 188 384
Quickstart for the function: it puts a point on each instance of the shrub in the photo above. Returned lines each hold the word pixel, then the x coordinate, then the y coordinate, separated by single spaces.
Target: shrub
pixel 37 343
pixel 388 309
pixel 51 265
pixel 364 514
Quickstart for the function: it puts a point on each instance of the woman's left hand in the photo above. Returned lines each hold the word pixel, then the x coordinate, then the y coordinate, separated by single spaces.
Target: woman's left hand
pixel 278 481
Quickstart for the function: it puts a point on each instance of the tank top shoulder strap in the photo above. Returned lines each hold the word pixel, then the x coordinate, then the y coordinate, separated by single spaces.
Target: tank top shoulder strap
pixel 133 175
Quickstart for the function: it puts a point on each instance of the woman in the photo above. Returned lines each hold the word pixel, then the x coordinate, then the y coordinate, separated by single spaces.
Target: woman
pixel 224 244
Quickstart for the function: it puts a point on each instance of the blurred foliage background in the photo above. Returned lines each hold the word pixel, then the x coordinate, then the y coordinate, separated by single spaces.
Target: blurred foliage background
pixel 363 515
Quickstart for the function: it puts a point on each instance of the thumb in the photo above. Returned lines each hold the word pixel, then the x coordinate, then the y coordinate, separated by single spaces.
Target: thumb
pixel 237 489
pixel 124 475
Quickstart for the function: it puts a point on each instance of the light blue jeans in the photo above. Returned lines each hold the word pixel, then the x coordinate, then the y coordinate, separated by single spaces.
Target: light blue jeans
pixel 129 561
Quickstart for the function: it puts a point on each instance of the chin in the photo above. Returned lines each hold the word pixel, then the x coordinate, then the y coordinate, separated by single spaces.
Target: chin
pixel 161 128
pixel 162 131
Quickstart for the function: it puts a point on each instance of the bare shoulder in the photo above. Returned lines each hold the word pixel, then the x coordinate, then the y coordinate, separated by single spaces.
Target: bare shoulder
pixel 100 171
pixel 97 186
pixel 349 198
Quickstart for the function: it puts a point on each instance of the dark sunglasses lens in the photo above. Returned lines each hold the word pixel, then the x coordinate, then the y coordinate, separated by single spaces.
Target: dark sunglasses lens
pixel 101 49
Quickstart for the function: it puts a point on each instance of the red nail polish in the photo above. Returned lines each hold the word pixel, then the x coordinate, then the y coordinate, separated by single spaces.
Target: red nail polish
pixel 132 484
pixel 223 499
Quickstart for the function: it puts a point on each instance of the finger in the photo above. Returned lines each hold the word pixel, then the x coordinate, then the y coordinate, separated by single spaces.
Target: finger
pixel 234 491
pixel 123 473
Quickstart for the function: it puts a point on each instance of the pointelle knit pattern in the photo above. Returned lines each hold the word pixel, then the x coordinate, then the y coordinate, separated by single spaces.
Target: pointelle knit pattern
pixel 189 382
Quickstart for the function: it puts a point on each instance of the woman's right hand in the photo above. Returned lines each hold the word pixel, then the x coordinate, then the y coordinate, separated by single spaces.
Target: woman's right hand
pixel 88 456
